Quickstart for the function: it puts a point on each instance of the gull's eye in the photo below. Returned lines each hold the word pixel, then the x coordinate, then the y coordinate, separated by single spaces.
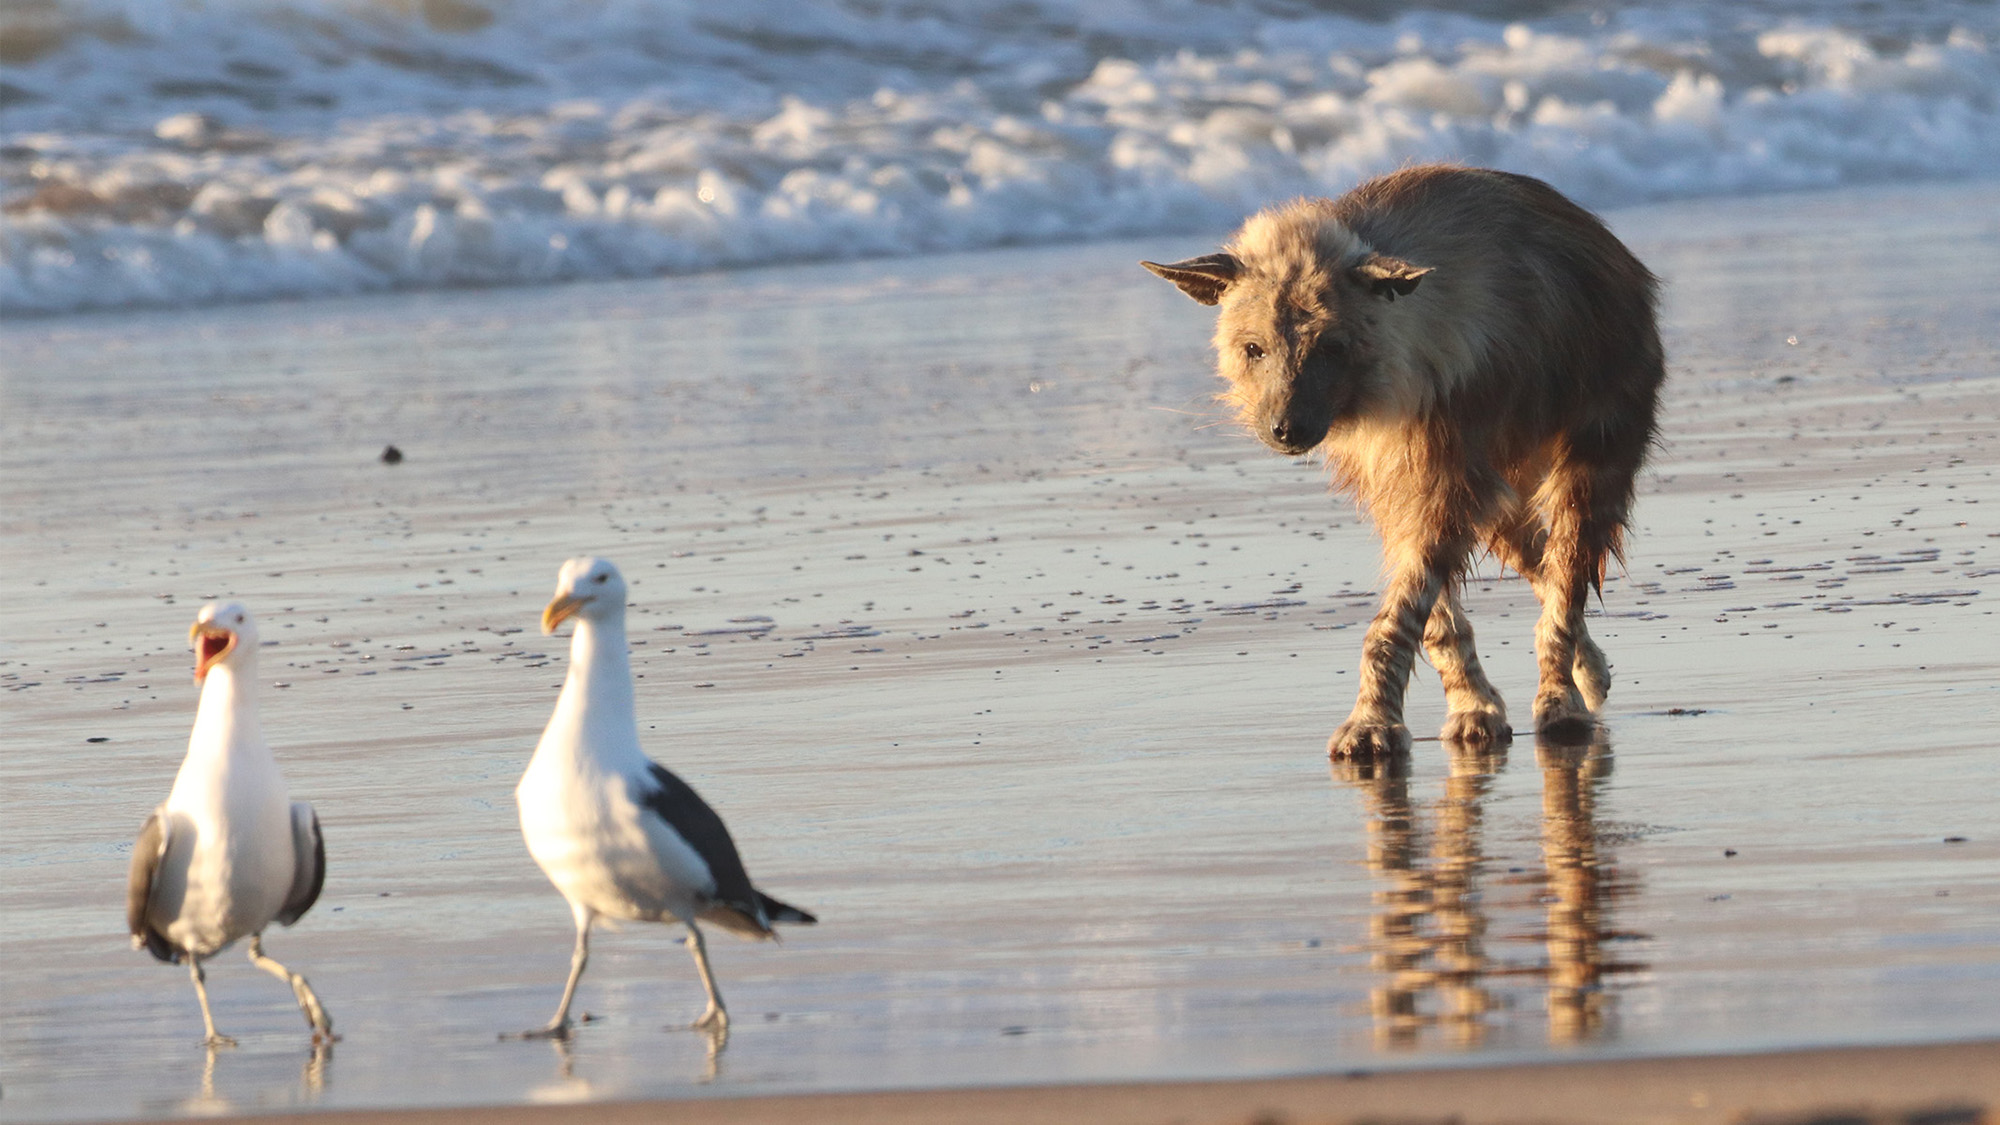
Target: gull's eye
pixel 602 578
pixel 1253 351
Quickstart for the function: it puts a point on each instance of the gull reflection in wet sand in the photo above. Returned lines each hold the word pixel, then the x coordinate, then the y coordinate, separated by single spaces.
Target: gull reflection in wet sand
pixel 1433 932
pixel 568 1086
pixel 209 1103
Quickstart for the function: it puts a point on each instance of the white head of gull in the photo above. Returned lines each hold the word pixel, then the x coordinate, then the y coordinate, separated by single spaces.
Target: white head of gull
pixel 618 834
pixel 229 852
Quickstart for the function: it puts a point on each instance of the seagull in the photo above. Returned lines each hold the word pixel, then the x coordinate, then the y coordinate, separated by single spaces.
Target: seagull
pixel 229 852
pixel 619 835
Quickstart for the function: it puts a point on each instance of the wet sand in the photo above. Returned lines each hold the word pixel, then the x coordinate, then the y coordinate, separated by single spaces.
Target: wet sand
pixel 1948 1084
pixel 1007 656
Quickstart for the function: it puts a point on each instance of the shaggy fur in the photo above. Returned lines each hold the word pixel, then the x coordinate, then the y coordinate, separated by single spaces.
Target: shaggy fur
pixel 1477 359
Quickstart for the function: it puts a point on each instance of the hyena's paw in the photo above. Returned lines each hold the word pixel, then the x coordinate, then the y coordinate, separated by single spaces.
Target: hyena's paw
pixel 1365 739
pixel 1563 716
pixel 1476 729
pixel 1593 675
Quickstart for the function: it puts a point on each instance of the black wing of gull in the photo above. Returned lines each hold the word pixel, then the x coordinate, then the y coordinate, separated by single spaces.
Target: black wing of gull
pixel 735 904
pixel 146 855
pixel 308 864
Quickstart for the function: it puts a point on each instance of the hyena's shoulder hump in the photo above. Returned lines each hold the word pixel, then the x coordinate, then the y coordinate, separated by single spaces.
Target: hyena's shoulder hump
pixel 1440 218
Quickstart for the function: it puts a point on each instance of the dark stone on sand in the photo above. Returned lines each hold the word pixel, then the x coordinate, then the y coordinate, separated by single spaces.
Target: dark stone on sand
pixel 391 455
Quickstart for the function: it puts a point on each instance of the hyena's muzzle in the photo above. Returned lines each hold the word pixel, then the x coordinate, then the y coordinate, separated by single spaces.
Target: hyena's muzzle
pixel 1294 418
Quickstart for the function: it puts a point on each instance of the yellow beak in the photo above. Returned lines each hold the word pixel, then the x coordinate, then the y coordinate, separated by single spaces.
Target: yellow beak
pixel 560 610
pixel 211 643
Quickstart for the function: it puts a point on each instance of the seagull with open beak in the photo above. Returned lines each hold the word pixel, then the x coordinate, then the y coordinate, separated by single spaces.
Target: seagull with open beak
pixel 619 835
pixel 213 640
pixel 229 852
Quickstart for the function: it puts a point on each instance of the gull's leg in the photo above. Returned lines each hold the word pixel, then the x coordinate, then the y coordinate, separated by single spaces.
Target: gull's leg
pixel 215 1038
pixel 316 1017
pixel 558 1027
pixel 716 1018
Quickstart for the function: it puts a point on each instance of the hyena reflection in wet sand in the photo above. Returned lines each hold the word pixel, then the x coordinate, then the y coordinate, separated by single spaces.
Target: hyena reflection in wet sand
pixel 1477 359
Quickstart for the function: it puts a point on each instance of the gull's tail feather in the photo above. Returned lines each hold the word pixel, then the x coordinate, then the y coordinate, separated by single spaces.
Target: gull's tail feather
pixel 734 917
pixel 780 912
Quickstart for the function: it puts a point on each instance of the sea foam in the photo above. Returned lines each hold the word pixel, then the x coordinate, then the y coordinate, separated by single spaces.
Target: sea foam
pixel 185 152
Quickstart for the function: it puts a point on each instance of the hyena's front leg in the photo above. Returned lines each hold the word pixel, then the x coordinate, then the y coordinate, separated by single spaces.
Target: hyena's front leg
pixel 1376 725
pixel 1477 717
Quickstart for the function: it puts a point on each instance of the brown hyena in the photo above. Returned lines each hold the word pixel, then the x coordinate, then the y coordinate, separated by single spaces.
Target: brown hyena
pixel 1477 358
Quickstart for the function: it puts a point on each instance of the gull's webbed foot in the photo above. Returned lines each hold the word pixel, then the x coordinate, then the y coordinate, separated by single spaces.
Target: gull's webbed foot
pixel 712 1020
pixel 558 1030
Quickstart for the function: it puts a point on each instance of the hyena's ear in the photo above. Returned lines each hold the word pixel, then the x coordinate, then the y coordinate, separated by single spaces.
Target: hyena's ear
pixel 1388 278
pixel 1202 278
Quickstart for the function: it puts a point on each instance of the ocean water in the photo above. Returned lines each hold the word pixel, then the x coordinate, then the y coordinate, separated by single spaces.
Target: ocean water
pixel 187 152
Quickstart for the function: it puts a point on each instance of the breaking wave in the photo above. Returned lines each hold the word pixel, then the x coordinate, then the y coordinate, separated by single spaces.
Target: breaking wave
pixel 183 152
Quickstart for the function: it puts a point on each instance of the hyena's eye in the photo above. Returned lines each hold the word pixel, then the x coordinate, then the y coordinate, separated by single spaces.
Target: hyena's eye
pixel 1253 351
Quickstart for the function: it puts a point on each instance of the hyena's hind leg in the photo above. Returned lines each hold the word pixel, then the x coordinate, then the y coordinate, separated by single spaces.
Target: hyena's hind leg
pixel 1592 671
pixel 1522 548
pixel 1476 717
pixel 1583 506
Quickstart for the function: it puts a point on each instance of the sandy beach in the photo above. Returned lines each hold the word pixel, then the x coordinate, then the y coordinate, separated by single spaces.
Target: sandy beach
pixel 1952 1084
pixel 1003 652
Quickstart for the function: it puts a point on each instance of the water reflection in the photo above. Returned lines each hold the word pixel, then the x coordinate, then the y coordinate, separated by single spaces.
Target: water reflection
pixel 210 1103
pixel 318 1063
pixel 1582 883
pixel 1427 936
pixel 568 1086
pixel 207 1103
pixel 1444 902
